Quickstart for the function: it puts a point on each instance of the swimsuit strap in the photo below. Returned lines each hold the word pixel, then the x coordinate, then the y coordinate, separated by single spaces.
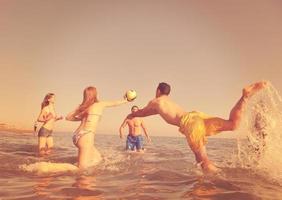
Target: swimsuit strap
pixel 95 114
pixel 98 115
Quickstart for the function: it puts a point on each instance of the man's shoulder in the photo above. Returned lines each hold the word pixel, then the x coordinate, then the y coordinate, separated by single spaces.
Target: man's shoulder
pixel 160 100
pixel 156 101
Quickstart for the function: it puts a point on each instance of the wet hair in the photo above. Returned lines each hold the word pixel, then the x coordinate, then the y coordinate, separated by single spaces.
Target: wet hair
pixel 134 107
pixel 45 101
pixel 164 88
pixel 89 98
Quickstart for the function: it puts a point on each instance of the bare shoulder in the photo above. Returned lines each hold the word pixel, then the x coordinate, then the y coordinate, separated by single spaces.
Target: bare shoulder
pixel 160 101
pixel 154 102
pixel 99 104
pixel 96 107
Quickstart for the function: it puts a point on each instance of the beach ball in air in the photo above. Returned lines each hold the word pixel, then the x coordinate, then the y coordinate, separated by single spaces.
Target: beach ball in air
pixel 131 95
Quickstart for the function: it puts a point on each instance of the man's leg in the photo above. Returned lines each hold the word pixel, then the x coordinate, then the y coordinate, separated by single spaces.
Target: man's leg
pixel 139 143
pixel 218 124
pixel 129 143
pixel 201 156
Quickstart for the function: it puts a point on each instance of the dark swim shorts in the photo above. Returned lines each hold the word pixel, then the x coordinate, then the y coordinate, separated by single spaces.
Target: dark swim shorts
pixel 133 142
pixel 43 132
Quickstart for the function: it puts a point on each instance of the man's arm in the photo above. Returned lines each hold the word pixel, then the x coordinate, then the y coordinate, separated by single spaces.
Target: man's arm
pixel 150 109
pixel 145 131
pixel 122 128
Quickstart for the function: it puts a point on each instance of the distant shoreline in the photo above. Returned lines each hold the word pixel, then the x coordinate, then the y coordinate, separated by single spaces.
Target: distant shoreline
pixel 16 130
pixel 12 129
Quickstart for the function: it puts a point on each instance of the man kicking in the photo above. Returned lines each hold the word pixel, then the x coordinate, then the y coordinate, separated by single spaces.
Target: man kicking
pixel 134 138
pixel 196 125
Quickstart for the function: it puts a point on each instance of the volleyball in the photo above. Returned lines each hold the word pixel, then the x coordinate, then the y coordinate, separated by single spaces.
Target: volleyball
pixel 131 95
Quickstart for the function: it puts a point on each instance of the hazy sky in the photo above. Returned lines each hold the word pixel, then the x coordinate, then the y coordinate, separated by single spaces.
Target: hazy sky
pixel 207 51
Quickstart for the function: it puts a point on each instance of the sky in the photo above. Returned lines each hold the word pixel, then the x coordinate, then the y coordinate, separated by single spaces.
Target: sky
pixel 206 50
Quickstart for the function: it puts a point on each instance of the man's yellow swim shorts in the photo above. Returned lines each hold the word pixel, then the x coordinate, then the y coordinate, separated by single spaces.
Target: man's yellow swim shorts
pixel 193 126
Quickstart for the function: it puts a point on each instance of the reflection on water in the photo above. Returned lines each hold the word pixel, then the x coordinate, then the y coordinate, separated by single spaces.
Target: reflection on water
pixel 41 186
pixel 165 171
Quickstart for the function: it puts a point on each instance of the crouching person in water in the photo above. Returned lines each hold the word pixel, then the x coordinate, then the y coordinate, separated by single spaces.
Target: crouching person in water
pixel 135 125
pixel 48 117
pixel 89 113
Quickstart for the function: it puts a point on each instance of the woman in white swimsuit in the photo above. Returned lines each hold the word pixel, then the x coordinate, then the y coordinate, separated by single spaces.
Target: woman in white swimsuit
pixel 89 113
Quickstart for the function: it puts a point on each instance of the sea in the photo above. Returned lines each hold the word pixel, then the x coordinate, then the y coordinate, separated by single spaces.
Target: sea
pixel 250 164
pixel 166 170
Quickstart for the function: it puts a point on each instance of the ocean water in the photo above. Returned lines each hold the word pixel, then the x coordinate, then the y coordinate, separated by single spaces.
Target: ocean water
pixel 166 170
pixel 251 164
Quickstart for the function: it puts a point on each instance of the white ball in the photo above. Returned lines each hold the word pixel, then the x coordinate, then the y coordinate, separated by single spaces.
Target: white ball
pixel 131 95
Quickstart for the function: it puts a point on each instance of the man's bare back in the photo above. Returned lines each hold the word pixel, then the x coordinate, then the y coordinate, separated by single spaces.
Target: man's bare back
pixel 167 109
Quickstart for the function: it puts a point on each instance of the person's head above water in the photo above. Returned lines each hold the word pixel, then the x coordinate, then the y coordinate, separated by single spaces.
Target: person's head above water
pixel 49 98
pixel 163 89
pixel 134 109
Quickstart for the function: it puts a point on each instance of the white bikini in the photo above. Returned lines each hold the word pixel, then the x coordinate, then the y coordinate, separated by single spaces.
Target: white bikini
pixel 78 135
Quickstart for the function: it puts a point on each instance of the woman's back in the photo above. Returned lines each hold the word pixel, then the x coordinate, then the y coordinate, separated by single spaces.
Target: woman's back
pixel 93 116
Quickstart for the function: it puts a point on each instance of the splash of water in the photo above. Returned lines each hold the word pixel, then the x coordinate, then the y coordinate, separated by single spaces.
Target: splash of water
pixel 260 136
pixel 48 168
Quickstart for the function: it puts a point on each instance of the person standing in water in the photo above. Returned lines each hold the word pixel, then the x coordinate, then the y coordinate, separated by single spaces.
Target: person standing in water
pixel 89 112
pixel 135 126
pixel 196 126
pixel 48 117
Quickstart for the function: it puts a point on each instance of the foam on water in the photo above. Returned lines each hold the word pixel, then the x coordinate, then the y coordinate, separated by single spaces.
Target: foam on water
pixel 259 138
pixel 55 167
pixel 48 167
pixel 113 160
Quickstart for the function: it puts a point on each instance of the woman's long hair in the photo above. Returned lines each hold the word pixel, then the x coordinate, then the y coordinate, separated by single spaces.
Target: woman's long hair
pixel 89 98
pixel 45 101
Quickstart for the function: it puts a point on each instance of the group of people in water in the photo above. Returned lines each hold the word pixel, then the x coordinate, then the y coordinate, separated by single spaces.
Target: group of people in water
pixel 194 125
